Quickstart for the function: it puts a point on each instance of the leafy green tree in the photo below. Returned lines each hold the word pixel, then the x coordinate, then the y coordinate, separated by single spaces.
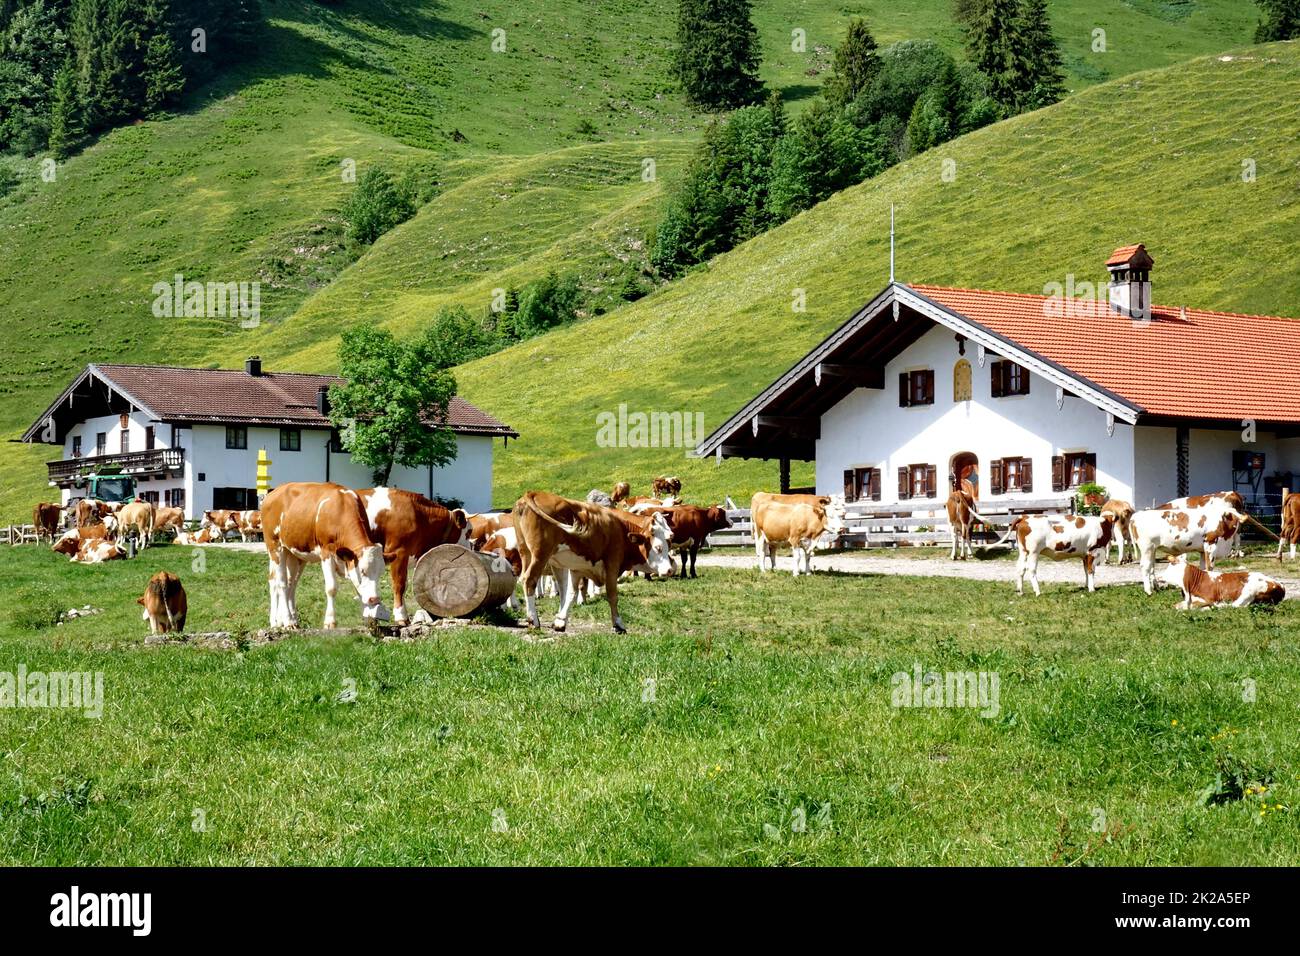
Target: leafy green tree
pixel 375 206
pixel 937 115
pixel 854 66
pixel 1281 20
pixel 822 154
pixel 1046 79
pixel 392 407
pixel 717 53
pixel 66 129
pixel 996 45
pixel 458 337
pixel 547 303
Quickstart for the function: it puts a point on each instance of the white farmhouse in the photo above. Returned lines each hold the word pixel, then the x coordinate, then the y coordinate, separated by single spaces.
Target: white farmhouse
pixel 190 437
pixel 1031 396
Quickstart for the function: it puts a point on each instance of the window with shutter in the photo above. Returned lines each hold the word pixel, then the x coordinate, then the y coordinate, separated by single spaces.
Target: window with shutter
pixel 904 483
pixel 995 378
pixel 995 477
pixel 1058 472
pixel 1090 467
pixel 1011 474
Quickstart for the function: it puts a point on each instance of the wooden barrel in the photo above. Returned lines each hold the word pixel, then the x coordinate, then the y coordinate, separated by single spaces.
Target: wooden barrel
pixel 453 581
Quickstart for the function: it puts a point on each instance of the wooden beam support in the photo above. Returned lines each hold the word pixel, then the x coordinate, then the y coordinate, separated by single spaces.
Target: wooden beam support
pixel 863 376
pixel 794 426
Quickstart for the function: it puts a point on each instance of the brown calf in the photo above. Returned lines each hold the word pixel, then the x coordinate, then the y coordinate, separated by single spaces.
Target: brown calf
pixel 46 519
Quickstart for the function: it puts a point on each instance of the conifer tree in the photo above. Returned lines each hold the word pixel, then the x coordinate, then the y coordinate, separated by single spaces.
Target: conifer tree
pixel 717 53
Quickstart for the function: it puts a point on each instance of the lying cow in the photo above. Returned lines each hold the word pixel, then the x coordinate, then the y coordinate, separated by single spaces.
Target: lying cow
pixel 45 517
pixel 202 536
pixel 1086 537
pixel 642 504
pixel 1206 589
pixel 407 525
pixel 1123 512
pixel 1290 523
pixel 90 545
pixel 309 522
pixel 691 526
pixel 801 521
pixel 164 603
pixel 574 536
pixel 1208 531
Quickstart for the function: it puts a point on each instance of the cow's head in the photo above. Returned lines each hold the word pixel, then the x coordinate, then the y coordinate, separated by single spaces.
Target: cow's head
pixel 68 543
pixel 364 571
pixel 1174 572
pixel 652 546
pixel 110 525
pixel 716 518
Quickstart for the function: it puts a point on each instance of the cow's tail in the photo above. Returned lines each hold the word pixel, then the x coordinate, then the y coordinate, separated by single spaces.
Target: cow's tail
pixel 1011 529
pixel 1244 516
pixel 159 589
pixel 578 530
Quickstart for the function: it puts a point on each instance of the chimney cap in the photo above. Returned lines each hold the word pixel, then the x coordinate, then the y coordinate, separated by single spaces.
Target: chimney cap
pixel 1132 257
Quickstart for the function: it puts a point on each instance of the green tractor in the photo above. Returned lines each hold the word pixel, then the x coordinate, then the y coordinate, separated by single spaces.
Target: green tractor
pixel 113 489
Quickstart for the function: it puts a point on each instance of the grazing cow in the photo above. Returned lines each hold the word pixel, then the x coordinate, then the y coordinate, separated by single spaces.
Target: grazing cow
pixel 164 603
pixel 1208 530
pixel 1290 523
pixel 1123 512
pixel 620 491
pixel 961 518
pixel 575 536
pixel 138 516
pixel 307 522
pixel 45 517
pixel 798 520
pixel 1060 536
pixel 1206 589
pixel 665 486
pixel 169 519
pixel 407 525
pixel 691 527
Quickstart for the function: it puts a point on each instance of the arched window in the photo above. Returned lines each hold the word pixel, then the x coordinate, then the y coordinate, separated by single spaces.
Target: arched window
pixel 961 377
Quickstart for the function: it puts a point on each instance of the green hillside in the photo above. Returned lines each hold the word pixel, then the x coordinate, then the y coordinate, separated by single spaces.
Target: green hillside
pixel 1155 158
pixel 246 184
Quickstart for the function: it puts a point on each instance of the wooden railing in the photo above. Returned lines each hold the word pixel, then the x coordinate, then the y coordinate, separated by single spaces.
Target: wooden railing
pixel 132 462
pixel 866 525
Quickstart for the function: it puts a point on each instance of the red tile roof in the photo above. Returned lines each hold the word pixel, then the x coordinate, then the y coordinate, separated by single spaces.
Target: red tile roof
pixel 199 395
pixel 1184 363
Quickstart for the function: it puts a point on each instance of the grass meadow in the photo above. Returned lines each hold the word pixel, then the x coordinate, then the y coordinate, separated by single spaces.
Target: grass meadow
pixel 745 719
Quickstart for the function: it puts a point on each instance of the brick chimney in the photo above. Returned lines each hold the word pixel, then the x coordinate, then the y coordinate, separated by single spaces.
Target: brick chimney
pixel 1130 281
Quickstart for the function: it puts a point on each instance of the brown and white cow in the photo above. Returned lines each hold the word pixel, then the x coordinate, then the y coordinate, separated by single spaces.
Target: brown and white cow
pixel 169 519
pixel 309 522
pixel 620 492
pixel 45 517
pixel 961 519
pixel 407 525
pixel 640 505
pixel 1086 537
pixel 137 517
pixel 69 543
pixel 165 605
pixel 691 527
pixel 1123 512
pixel 666 486
pixel 89 511
pixel 801 521
pixel 1208 530
pixel 1206 589
pixel 483 525
pixel 1212 501
pixel 206 535
pixel 573 536
pixel 1290 523
pixel 248 524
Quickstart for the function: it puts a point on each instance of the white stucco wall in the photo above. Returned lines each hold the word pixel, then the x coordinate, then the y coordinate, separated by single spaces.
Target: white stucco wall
pixel 1209 460
pixel 869 429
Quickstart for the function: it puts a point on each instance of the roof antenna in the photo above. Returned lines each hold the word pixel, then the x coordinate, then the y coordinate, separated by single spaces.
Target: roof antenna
pixel 891 243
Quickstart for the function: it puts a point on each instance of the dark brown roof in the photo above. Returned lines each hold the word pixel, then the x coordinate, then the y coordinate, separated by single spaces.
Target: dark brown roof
pixel 218 396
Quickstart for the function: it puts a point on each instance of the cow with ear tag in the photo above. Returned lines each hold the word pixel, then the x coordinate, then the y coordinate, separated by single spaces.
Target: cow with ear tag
pixel 308 522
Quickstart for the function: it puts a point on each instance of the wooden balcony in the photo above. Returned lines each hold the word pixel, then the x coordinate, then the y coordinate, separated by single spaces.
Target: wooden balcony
pixel 157 461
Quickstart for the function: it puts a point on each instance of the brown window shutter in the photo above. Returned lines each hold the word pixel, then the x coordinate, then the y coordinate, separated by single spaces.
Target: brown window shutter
pixel 995 477
pixel 904 390
pixel 904 489
pixel 874 482
pixel 1090 471
pixel 1024 381
pixel 995 377
pixel 931 472
pixel 928 376
pixel 1026 474
pixel 850 490
pixel 1058 472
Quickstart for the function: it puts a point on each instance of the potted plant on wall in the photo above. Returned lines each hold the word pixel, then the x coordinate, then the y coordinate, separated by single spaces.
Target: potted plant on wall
pixel 1089 498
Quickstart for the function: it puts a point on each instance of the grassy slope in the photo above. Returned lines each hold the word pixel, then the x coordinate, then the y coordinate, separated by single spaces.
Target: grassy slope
pixel 771 694
pixel 245 185
pixel 1155 158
